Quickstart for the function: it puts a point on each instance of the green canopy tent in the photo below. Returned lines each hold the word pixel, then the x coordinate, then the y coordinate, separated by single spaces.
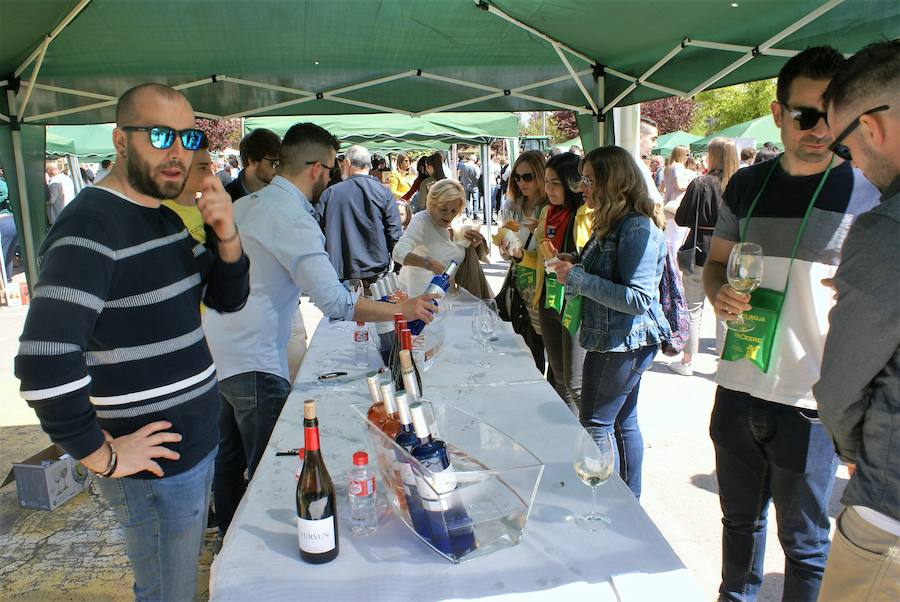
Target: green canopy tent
pixel 91 142
pixel 66 61
pixel 667 142
pixel 761 129
pixel 449 128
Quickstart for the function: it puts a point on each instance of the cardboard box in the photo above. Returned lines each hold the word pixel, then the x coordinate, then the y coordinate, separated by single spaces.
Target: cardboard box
pixel 48 479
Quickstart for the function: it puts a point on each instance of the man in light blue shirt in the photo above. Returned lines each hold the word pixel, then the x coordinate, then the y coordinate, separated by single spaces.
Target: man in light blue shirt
pixel 286 248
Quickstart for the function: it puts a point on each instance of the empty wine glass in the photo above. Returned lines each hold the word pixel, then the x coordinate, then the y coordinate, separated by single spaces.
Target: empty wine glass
pixel 594 464
pixel 483 324
pixel 744 273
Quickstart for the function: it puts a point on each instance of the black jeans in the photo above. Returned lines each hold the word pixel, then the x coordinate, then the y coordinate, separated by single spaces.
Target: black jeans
pixel 566 358
pixel 768 451
pixel 248 410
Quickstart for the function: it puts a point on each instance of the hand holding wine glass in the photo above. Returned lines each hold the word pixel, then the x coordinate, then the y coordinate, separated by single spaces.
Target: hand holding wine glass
pixel 594 463
pixel 744 273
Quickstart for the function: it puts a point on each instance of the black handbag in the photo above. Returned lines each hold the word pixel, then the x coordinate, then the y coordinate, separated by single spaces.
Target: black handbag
pixel 510 304
pixel 687 259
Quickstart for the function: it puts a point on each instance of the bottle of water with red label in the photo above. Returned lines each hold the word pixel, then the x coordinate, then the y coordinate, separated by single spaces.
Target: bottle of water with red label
pixel 361 345
pixel 362 496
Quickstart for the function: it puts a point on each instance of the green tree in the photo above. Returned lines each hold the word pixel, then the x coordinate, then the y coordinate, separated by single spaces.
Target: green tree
pixel 724 107
pixel 530 125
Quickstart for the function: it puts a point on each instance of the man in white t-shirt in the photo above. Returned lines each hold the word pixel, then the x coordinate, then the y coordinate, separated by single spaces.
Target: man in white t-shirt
pixel 61 190
pixel 649 134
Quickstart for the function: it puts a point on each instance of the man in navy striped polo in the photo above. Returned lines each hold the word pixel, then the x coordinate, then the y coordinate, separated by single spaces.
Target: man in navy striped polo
pixel 113 358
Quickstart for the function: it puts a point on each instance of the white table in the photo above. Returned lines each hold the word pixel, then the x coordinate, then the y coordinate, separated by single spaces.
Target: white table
pixel 260 560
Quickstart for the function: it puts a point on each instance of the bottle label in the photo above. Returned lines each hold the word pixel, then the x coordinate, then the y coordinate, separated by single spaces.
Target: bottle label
pixel 361 487
pixel 435 289
pixel 406 474
pixel 316 536
pixel 435 484
pixel 360 336
pixel 311 437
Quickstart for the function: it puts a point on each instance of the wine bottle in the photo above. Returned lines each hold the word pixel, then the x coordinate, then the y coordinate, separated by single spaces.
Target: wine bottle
pixel 317 528
pixel 439 285
pixel 391 424
pixel 394 366
pixel 451 527
pixel 376 414
pixel 385 330
pixel 409 371
pixel 406 439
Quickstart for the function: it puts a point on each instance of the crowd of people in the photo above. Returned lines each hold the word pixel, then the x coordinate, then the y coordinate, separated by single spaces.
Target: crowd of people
pixel 147 319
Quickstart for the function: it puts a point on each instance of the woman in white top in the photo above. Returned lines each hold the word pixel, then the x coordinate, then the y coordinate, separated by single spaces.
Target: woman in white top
pixel 675 181
pixel 428 244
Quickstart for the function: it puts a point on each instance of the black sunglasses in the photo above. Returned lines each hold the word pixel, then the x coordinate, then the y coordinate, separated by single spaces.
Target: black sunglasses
pixel 163 137
pixel 325 165
pixel 805 117
pixel 273 162
pixel 840 149
pixel 525 177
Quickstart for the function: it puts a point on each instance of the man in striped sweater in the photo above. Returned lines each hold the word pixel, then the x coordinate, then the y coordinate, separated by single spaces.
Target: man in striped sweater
pixel 113 358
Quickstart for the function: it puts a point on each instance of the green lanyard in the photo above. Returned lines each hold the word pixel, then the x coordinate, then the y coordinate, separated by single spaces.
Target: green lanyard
pixel 809 209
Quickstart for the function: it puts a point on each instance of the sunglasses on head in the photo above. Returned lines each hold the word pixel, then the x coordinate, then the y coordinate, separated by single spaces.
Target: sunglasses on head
pixel 525 177
pixel 163 137
pixel 841 150
pixel 805 117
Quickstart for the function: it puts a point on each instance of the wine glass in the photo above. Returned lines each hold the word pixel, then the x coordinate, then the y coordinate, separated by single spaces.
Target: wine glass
pixel 744 272
pixel 595 461
pixel 484 322
pixel 355 285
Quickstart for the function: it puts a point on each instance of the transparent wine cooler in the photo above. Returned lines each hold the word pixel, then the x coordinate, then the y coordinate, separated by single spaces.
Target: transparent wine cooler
pixel 479 506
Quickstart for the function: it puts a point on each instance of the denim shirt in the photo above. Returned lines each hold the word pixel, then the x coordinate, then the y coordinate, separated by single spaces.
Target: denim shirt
pixel 618 278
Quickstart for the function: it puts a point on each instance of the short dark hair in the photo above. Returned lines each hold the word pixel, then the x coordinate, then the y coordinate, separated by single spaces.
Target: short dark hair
pixel 105 163
pixel 259 144
pixel 304 142
pixel 650 122
pixel 747 153
pixel 871 72
pixel 818 62
pixel 125 107
pixel 566 166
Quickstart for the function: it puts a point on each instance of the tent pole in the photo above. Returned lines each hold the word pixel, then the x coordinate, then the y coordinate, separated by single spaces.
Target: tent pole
pixel 34 75
pixel 71 91
pixel 24 207
pixel 659 64
pixel 601 115
pixel 649 84
pixel 487 200
pixel 576 79
pixel 767 44
pixel 52 35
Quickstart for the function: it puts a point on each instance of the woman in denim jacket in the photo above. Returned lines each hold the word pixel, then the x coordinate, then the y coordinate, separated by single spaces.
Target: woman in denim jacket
pixel 618 277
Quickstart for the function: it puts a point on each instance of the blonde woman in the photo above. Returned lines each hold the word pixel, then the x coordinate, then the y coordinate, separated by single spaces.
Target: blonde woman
pixel 676 178
pixel 701 205
pixel 526 198
pixel 428 244
pixel 618 278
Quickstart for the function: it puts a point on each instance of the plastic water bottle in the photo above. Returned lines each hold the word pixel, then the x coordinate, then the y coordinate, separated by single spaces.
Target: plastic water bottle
pixel 361 345
pixel 362 496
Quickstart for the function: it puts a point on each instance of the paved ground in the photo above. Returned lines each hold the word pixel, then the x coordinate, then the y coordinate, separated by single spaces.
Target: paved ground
pixel 74 553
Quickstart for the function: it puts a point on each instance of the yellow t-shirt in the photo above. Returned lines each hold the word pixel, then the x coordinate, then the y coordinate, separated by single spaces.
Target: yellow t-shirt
pixel 582 226
pixel 191 218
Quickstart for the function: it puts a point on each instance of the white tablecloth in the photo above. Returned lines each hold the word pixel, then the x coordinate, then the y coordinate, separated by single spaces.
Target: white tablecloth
pixel 260 558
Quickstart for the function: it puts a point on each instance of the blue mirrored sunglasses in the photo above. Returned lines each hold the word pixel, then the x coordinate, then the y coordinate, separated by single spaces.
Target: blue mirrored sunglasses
pixel 163 137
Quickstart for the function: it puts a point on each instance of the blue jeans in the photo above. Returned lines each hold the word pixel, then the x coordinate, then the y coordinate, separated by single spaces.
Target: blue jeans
pixel 770 451
pixel 609 395
pixel 9 241
pixel 163 521
pixel 250 405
